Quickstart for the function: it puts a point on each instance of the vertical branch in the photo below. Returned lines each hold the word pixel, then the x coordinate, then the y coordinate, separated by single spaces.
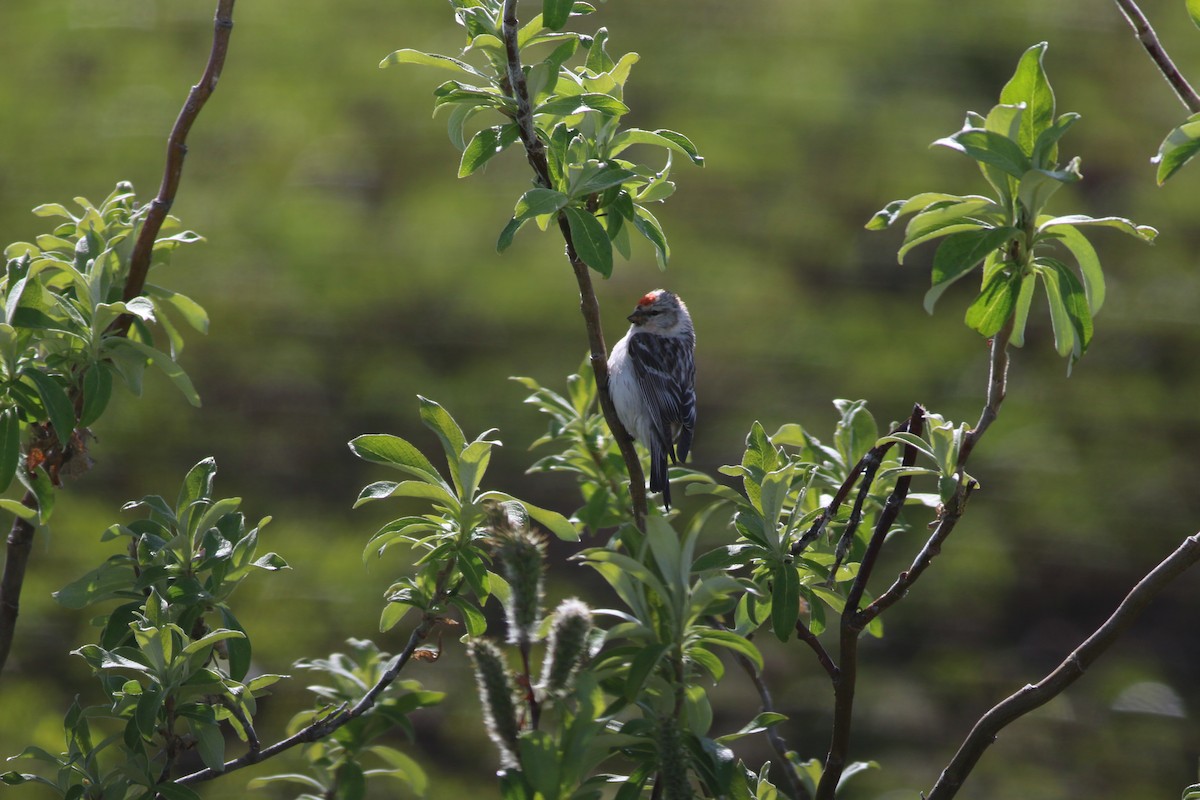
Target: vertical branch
pixel 16 559
pixel 853 622
pixel 1032 696
pixel 1149 39
pixel 589 306
pixel 20 536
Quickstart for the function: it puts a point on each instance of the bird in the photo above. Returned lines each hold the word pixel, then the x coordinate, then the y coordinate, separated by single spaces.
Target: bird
pixel 651 379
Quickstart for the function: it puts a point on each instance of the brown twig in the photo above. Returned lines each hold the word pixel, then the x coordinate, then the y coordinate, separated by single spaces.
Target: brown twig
pixel 589 306
pixel 1149 39
pixel 804 634
pixel 20 536
pixel 1034 695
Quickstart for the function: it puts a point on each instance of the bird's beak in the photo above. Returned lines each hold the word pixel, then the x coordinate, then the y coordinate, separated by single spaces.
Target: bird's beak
pixel 637 317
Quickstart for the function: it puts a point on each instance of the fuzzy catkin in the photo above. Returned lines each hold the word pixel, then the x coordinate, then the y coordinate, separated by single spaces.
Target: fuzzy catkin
pixel 496 694
pixel 566 645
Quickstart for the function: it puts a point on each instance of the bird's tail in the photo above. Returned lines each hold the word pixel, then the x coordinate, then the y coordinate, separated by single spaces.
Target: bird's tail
pixel 658 475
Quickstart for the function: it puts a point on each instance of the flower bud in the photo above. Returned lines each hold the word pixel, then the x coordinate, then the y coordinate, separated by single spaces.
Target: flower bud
pixel 566 646
pixel 496 695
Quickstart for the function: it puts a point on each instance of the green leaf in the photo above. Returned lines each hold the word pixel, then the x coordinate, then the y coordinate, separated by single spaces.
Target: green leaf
pixel 989 147
pixel 537 202
pixel 484 146
pixel 570 105
pixel 1180 146
pixel 552 521
pixel 165 363
pixel 993 306
pixel 661 137
pixel 1045 149
pixel 1021 312
pixel 1036 186
pixel 555 13
pixel 1068 308
pixel 886 216
pixel 1143 232
pixel 591 241
pixel 433 60
pixel 421 489
pixel 10 446
pixel 1029 85
pixel 1089 264
pixel 54 398
pixel 438 420
pixel 505 239
pixel 97 390
pixel 648 226
pixel 960 253
pixel 785 600
pixel 392 451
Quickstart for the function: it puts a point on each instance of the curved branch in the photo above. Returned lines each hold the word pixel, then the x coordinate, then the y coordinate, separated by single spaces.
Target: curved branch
pixel 1032 696
pixel 139 259
pixel 1149 39
pixel 589 306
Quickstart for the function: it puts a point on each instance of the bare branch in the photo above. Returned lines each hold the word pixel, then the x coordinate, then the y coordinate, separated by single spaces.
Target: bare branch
pixel 852 622
pixel 589 306
pixel 1149 39
pixel 1032 696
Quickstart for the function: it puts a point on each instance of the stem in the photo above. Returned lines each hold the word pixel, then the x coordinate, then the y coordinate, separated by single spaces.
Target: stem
pixel 808 637
pixel 535 153
pixel 16 559
pixel 997 387
pixel 1032 696
pixel 798 790
pixel 1149 39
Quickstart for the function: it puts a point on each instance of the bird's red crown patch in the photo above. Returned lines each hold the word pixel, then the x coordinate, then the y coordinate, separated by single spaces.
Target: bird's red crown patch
pixel 647 299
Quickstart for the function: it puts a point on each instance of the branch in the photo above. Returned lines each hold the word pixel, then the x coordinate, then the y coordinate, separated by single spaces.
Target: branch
pixel 20 536
pixel 853 623
pixel 16 559
pixel 1032 696
pixel 1149 39
pixel 805 634
pixel 143 249
pixel 327 725
pixel 798 789
pixel 535 152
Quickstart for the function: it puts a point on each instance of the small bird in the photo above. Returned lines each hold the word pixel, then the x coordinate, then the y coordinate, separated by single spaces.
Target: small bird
pixel 651 378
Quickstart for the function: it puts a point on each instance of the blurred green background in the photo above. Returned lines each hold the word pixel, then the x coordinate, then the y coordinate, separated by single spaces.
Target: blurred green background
pixel 347 270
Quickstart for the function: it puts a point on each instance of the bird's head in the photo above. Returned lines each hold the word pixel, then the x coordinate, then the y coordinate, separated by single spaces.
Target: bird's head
pixel 661 312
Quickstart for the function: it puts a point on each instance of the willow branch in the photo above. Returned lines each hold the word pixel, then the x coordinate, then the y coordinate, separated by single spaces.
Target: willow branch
pixel 798 789
pixel 21 534
pixel 1149 39
pixel 143 248
pixel 853 623
pixel 589 306
pixel 327 725
pixel 16 559
pixel 1073 667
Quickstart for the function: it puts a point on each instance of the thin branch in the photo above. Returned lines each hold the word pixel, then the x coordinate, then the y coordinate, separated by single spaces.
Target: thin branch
pixel 143 249
pixel 1149 39
pixel 327 725
pixel 798 789
pixel 852 623
pixel 1032 696
pixel 804 634
pixel 997 388
pixel 535 152
pixel 20 536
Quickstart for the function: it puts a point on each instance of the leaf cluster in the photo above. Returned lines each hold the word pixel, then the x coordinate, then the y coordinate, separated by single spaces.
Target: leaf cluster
pixel 575 112
pixel 61 344
pixel 1009 233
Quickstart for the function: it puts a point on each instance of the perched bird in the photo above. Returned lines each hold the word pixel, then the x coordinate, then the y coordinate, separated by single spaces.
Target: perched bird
pixel 651 378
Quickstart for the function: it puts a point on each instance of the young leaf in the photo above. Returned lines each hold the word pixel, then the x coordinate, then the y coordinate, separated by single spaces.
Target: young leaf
pixel 555 13
pixel 10 446
pixel 1029 85
pixel 433 60
pixel 994 305
pixel 989 147
pixel 1068 308
pixel 537 202
pixel 54 398
pixel 590 239
pixel 1089 263
pixel 97 390
pixel 484 146
pixel 1180 146
pixel 960 253
pixel 392 451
